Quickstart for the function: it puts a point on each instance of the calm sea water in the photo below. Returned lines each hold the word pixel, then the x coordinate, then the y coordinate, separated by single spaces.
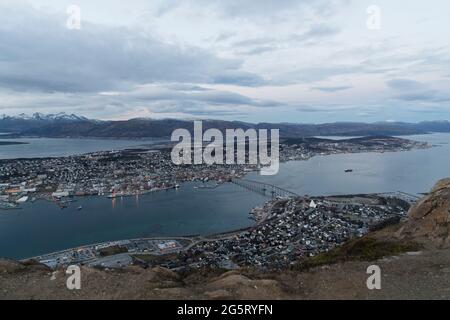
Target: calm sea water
pixel 414 171
pixel 42 227
pixel 48 147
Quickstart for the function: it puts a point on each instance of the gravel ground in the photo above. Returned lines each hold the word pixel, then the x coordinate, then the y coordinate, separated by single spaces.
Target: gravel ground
pixel 420 275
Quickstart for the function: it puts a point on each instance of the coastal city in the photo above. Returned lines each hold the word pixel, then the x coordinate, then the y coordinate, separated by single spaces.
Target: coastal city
pixel 287 227
pixel 138 171
pixel 227 150
pixel 285 230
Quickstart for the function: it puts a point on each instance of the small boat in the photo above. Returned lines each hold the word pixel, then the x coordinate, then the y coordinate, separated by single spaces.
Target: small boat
pixel 349 170
pixel 79 208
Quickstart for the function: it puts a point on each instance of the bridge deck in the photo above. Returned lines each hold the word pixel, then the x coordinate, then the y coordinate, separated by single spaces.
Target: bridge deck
pixel 263 188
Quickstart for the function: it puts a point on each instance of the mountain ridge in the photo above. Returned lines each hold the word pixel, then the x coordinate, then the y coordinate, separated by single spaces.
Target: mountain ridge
pixel 42 116
pixel 70 125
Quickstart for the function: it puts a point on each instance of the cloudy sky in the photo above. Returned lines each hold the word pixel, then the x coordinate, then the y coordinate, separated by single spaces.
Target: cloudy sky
pixel 250 60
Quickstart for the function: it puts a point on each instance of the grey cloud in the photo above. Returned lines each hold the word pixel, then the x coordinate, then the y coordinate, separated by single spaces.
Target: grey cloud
pixel 194 94
pixel 41 54
pixel 404 84
pixel 258 50
pixel 312 35
pixel 319 73
pixel 326 71
pixel 257 45
pixel 223 37
pixel 195 109
pixel 441 109
pixel 167 98
pixel 325 108
pixel 316 32
pixel 184 87
pixel 239 78
pixel 332 89
pixel 415 91
pixel 425 96
pixel 236 8
pixel 253 42
pixel 262 9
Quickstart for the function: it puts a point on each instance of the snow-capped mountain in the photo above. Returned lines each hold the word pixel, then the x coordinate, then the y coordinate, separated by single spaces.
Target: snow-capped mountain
pixel 48 117
pixel 70 125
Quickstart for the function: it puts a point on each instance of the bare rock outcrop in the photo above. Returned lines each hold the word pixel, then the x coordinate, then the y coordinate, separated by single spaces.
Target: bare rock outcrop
pixel 429 220
pixel 10 266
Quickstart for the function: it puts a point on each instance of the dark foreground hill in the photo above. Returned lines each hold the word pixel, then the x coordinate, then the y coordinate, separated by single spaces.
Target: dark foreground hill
pixel 414 258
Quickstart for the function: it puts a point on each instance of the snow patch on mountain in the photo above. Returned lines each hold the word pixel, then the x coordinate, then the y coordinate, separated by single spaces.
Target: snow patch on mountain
pixel 49 117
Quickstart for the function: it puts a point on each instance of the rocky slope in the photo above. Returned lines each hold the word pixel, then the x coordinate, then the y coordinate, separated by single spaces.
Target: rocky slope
pixel 429 220
pixel 413 275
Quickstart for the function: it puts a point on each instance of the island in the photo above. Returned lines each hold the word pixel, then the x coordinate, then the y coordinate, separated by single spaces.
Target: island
pixel 10 143
pixel 131 172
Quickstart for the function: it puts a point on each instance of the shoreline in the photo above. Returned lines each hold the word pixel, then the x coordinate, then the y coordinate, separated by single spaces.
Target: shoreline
pixel 165 142
pixel 198 239
pixel 253 170
pixel 248 168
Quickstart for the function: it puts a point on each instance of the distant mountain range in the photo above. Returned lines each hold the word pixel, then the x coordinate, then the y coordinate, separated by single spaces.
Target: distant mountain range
pixel 70 125
pixel 44 117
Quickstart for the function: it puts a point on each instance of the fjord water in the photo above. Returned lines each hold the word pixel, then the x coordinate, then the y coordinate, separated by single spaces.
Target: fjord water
pixel 414 171
pixel 53 147
pixel 42 227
